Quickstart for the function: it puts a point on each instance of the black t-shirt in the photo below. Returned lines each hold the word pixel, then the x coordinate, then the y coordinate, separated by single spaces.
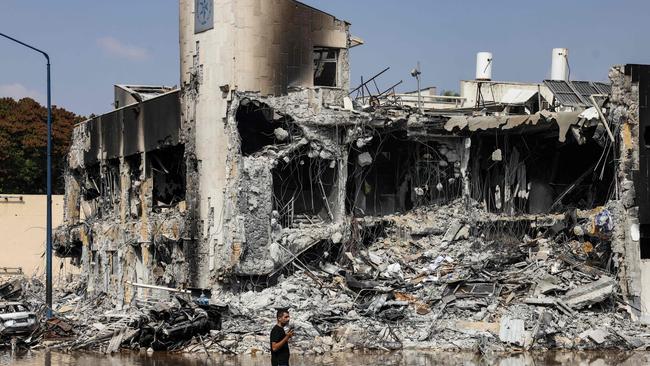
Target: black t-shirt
pixel 280 356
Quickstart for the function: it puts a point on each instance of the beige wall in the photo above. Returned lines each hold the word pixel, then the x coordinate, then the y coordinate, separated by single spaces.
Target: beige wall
pixel 259 45
pixel 22 232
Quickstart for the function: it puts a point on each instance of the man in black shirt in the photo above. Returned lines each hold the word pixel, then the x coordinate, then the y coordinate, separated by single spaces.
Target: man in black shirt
pixel 280 340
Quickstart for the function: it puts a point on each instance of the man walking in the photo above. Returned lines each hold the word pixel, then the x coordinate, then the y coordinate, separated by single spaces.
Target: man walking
pixel 280 339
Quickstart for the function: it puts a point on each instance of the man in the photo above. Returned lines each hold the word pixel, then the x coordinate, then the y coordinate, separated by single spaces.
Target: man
pixel 280 339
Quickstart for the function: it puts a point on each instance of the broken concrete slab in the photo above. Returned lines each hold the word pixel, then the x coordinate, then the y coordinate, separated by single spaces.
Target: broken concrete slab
pixel 512 331
pixel 548 284
pixel 375 259
pixel 463 233
pixel 592 293
pixel 550 301
pixel 454 228
pixel 281 134
pixel 364 159
pixel 491 327
pixel 597 335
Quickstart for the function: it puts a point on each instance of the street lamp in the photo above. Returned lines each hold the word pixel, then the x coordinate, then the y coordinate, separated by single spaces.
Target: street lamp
pixel 48 250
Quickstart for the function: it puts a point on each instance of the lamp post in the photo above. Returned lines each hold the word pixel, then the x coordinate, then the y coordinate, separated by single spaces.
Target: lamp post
pixel 48 249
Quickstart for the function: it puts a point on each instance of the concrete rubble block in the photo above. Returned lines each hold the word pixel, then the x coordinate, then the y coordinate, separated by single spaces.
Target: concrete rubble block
pixel 347 104
pixel 281 134
pixel 375 259
pixel 394 270
pixel 591 293
pixel 454 227
pixel 478 327
pixel 547 284
pixel 512 331
pixel 364 159
pixel 363 141
pixel 598 335
pixel 497 155
pixel 463 233
pixel 330 269
pixel 551 301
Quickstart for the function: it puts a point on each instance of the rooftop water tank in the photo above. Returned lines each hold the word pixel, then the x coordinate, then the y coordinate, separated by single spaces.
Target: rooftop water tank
pixel 484 66
pixel 560 64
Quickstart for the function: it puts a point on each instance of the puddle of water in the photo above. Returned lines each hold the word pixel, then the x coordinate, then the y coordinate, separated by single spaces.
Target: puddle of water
pixel 414 358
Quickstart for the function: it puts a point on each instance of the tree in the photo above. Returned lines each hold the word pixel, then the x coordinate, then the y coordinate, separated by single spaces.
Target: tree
pixel 23 146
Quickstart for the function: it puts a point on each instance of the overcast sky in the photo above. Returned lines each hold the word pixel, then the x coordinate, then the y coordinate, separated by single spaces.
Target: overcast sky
pixel 95 44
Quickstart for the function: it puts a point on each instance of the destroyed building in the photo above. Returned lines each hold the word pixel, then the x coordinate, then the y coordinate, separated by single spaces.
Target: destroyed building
pixel 262 156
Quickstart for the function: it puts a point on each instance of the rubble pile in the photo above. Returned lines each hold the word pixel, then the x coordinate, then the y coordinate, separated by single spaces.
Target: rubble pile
pixel 449 278
pixel 155 325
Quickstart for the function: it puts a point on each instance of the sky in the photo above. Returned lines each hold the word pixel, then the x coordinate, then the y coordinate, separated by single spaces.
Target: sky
pixel 95 44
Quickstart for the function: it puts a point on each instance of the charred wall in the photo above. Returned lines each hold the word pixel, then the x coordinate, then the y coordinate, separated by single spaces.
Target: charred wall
pixel 125 216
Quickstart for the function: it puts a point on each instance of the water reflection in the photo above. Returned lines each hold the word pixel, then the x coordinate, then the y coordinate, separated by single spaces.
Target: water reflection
pixel 352 358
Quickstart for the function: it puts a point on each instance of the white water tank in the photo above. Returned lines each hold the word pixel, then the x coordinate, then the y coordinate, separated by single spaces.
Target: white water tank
pixel 560 64
pixel 484 66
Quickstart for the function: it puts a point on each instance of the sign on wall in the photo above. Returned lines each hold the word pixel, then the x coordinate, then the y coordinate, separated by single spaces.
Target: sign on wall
pixel 203 15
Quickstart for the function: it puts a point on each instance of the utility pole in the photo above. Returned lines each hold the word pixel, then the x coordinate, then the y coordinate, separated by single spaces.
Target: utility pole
pixel 416 74
pixel 48 249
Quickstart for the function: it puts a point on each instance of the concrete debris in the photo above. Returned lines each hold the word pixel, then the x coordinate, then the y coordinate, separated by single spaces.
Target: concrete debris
pixel 483 291
pixel 497 155
pixel 364 159
pixel 281 134
pixel 548 284
pixel 463 233
pixel 512 331
pixel 597 335
pixel 347 104
pixel 452 230
pixel 591 293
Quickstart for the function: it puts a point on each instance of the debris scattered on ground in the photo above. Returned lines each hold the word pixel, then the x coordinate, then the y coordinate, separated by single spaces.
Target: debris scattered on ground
pixel 530 288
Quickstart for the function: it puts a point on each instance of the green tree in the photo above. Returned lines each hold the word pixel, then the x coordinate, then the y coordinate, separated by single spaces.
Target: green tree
pixel 23 146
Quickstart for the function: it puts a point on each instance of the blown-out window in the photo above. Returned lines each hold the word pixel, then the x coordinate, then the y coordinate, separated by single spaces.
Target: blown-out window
pixel 325 60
